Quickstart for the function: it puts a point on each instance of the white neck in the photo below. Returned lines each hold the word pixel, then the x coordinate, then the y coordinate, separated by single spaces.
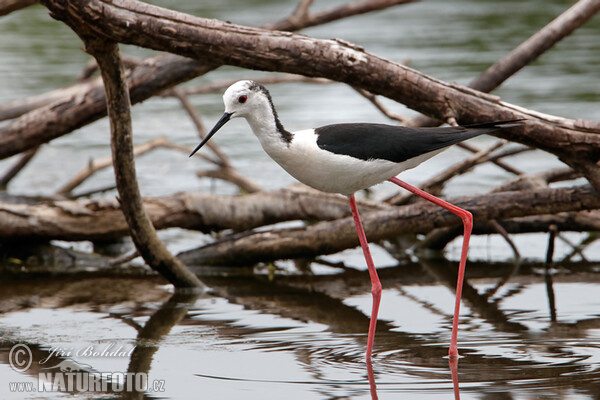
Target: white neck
pixel 264 126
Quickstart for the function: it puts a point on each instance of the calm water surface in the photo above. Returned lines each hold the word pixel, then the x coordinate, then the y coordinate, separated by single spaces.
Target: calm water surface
pixel 526 333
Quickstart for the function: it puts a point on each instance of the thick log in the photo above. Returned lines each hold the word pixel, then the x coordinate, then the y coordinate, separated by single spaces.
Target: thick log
pixel 103 219
pixel 331 237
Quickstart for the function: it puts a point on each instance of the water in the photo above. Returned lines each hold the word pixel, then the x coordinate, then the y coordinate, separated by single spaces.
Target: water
pixel 303 336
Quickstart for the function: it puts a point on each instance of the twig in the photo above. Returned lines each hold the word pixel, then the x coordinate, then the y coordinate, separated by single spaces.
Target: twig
pixel 373 99
pixel 99 164
pixel 496 161
pixel 347 10
pixel 300 14
pixel 502 232
pixel 90 192
pixel 591 238
pixel 19 165
pixel 231 175
pixel 576 249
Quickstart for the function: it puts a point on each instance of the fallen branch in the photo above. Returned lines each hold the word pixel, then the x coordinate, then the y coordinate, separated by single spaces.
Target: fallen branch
pixel 103 219
pixel 331 237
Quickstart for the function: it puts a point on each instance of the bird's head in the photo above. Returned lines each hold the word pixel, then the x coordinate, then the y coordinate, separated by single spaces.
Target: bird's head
pixel 242 99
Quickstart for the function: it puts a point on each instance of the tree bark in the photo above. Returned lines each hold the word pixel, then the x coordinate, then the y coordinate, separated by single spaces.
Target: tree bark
pixel 331 237
pixel 103 219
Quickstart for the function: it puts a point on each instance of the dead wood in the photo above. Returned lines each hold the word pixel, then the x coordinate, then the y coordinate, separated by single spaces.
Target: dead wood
pixel 8 6
pixel 575 142
pixel 85 106
pixel 331 237
pixel 213 43
pixel 103 219
pixel 142 232
pixel 17 167
pixel 544 39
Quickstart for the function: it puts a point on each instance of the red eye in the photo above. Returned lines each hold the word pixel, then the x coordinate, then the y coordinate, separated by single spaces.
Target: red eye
pixel 242 99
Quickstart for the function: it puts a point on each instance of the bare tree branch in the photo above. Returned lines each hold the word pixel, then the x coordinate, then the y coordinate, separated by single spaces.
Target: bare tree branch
pixel 143 234
pixel 103 219
pixel 19 165
pixel 8 6
pixel 302 19
pixel 543 40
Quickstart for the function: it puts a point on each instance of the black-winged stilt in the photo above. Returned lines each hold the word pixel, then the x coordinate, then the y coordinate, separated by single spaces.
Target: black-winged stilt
pixel 345 158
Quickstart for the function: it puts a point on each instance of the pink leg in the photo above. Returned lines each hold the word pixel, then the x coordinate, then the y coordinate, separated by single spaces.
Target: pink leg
pixel 375 284
pixel 453 364
pixel 467 220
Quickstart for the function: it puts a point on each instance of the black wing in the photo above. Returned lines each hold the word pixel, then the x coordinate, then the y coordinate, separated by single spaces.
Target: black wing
pixel 396 143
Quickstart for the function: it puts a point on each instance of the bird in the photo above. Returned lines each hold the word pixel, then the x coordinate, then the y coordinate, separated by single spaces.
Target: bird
pixel 348 157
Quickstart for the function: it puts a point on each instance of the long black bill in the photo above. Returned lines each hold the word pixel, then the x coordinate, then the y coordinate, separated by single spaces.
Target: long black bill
pixel 226 117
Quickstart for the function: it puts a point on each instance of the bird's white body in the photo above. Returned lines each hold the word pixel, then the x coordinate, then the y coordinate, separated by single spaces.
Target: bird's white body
pixel 327 171
pixel 320 169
